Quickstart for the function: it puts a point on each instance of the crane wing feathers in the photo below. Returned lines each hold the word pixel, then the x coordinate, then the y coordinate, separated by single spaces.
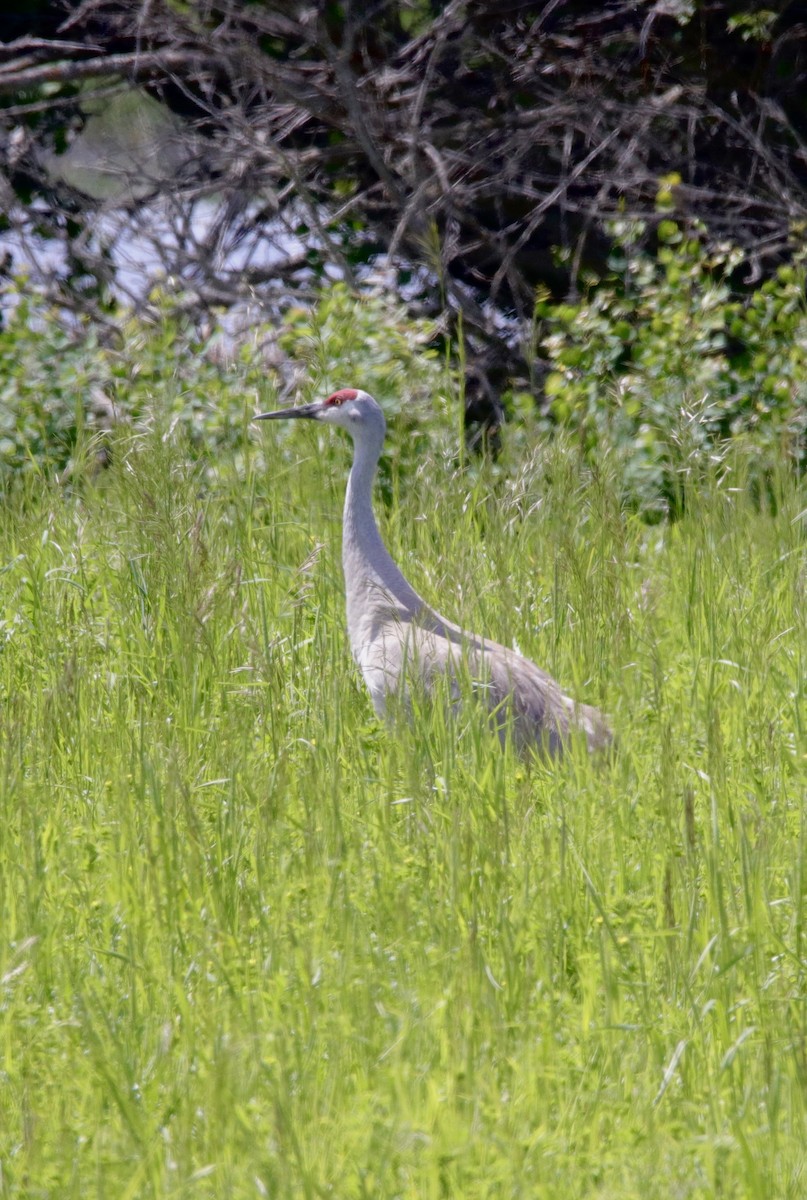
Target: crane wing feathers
pixel 514 690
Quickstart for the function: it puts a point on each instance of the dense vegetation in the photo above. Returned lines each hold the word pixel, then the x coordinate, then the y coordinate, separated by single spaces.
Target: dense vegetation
pixel 255 944
pixel 251 942
pixel 659 369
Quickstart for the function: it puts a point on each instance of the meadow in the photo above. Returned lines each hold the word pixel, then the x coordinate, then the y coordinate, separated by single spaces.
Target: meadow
pixel 253 943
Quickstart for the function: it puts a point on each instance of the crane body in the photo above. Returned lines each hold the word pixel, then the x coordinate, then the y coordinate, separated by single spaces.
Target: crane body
pixel 398 640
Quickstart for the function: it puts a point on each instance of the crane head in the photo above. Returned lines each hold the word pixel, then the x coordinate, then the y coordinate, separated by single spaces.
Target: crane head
pixel 352 409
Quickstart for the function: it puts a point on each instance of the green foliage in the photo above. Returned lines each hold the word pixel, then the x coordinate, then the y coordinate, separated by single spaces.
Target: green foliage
pixel 361 341
pixel 754 26
pixel 63 390
pixel 370 342
pixel 43 386
pixel 663 363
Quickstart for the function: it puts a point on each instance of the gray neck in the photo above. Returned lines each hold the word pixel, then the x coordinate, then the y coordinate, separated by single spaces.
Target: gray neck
pixel 374 586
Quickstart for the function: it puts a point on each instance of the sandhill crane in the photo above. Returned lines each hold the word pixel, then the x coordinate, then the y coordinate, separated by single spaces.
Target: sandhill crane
pixel 397 638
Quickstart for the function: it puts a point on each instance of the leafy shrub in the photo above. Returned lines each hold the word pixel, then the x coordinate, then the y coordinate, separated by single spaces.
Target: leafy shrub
pixel 371 342
pixel 62 387
pixel 662 362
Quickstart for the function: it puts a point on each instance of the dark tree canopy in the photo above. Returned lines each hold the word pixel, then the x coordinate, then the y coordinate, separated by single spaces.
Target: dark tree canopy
pixel 480 147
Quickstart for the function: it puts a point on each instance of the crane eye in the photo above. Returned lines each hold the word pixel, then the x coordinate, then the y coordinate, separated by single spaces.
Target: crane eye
pixel 340 397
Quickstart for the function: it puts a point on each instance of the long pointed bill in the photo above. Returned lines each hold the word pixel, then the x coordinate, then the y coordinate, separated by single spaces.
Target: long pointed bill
pixel 303 410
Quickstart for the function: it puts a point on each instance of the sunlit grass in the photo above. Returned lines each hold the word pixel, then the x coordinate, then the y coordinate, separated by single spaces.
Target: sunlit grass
pixel 252 943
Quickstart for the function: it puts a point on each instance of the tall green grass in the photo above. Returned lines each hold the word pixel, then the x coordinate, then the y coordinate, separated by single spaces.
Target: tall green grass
pixel 254 944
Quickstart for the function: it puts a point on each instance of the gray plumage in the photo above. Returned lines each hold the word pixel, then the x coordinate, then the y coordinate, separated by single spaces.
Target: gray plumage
pixel 397 638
